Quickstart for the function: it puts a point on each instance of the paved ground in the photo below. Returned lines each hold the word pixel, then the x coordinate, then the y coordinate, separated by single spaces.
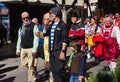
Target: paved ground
pixel 11 72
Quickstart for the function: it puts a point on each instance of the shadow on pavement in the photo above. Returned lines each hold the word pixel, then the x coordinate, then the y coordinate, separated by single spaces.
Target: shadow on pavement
pixel 10 79
pixel 2 76
pixel 8 51
pixel 2 65
pixel 6 57
pixel 43 77
pixel 90 65
pixel 7 69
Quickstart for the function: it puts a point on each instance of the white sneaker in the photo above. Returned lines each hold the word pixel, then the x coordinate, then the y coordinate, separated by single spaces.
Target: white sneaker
pixel 88 55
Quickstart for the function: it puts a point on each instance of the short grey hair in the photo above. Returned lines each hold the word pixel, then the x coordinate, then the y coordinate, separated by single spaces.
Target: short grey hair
pixel 108 19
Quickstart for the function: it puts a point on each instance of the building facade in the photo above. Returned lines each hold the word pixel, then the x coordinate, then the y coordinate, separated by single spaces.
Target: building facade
pixel 36 9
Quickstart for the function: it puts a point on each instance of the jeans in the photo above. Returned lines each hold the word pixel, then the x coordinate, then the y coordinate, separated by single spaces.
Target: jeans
pixel 74 78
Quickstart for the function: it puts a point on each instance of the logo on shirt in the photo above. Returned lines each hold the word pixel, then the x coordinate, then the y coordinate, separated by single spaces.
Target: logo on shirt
pixel 58 29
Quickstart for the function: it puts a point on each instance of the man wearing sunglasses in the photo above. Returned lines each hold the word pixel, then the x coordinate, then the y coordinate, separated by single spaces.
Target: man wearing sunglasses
pixel 27 45
pixel 57 33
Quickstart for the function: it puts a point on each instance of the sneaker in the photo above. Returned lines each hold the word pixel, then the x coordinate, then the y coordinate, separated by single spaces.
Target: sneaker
pixel 88 56
pixel 87 53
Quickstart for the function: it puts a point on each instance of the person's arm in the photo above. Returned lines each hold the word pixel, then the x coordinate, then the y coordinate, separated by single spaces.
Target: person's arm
pixel 79 33
pixel 87 31
pixel 46 48
pixel 18 47
pixel 64 42
pixel 47 33
pixel 117 33
pixel 35 40
pixel 41 31
pixel 39 34
pixel 99 31
pixel 64 36
pixel 82 66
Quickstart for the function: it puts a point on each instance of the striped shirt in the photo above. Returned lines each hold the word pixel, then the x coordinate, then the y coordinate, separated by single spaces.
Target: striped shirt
pixel 52 34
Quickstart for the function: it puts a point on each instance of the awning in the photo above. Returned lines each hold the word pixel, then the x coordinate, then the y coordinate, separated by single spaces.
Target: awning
pixel 68 2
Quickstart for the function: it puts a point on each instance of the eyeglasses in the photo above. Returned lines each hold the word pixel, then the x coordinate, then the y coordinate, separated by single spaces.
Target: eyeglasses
pixel 25 18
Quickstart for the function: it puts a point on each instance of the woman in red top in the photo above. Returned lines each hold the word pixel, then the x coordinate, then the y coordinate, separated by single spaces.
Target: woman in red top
pixel 111 44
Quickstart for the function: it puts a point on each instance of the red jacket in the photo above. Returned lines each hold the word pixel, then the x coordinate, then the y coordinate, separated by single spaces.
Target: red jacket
pixel 80 34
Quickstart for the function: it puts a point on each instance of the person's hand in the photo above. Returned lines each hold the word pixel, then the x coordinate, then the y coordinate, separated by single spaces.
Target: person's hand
pixel 47 65
pixel 18 53
pixel 37 33
pixel 33 53
pixel 62 56
pixel 81 78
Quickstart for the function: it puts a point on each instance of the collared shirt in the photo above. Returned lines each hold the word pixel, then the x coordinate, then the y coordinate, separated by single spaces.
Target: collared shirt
pixel 35 40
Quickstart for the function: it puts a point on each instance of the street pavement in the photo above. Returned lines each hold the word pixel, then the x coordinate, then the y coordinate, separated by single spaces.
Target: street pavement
pixel 10 70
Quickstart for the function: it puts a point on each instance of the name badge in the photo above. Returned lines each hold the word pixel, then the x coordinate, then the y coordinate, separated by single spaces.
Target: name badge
pixel 58 29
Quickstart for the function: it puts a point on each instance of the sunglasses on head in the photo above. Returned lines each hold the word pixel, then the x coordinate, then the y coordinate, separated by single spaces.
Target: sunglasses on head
pixel 25 18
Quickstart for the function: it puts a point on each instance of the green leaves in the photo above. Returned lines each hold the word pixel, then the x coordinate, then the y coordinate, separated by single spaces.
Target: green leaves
pixel 106 75
pixel 116 73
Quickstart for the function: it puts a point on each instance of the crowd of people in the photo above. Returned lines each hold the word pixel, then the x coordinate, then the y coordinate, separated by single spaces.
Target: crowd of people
pixel 92 37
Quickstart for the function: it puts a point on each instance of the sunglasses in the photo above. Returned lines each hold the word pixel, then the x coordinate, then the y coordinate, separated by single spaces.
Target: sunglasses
pixel 25 18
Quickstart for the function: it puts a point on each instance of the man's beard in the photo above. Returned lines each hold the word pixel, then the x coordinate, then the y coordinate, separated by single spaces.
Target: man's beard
pixel 52 19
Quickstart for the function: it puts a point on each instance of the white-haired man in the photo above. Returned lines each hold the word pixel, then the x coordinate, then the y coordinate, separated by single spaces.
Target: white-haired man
pixel 27 45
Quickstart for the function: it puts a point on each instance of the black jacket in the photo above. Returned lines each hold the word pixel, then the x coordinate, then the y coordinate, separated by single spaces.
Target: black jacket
pixel 61 35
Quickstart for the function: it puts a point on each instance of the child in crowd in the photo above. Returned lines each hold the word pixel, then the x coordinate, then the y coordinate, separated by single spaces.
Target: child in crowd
pixel 77 69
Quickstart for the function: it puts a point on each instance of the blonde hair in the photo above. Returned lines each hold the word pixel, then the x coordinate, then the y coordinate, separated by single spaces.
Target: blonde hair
pixel 47 15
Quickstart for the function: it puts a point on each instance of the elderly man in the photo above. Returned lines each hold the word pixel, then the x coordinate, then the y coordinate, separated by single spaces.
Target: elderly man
pixel 27 45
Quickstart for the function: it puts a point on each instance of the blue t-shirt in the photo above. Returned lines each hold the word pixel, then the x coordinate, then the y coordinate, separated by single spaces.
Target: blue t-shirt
pixel 41 40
